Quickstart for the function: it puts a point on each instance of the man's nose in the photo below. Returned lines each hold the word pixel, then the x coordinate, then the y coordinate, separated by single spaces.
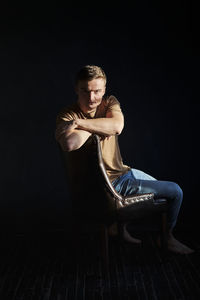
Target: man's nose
pixel 91 95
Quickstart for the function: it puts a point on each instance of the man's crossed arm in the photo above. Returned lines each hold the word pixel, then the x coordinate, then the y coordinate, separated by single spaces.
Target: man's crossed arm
pixel 73 134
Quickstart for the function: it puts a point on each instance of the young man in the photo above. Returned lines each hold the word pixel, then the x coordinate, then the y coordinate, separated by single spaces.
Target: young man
pixel 95 113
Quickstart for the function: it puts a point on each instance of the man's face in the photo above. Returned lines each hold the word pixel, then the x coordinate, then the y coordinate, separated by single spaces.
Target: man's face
pixel 90 94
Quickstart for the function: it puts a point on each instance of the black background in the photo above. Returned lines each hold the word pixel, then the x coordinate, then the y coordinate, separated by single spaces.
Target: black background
pixel 149 51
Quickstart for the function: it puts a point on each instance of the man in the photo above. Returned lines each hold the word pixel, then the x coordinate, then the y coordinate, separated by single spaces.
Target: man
pixel 95 113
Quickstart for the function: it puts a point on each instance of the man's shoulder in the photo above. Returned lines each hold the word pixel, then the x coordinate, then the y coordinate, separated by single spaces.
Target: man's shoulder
pixel 72 107
pixel 69 112
pixel 109 103
pixel 112 103
pixel 111 99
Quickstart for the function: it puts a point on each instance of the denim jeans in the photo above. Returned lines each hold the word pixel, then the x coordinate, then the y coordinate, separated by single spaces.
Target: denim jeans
pixel 138 182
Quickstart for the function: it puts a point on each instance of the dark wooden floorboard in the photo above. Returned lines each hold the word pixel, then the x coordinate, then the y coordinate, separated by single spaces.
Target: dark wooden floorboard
pixel 44 267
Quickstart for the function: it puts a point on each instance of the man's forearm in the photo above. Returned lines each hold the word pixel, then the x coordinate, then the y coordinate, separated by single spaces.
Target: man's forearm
pixel 102 126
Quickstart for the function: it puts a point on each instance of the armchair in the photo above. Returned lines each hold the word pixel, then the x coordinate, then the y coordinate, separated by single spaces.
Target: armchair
pixel 95 201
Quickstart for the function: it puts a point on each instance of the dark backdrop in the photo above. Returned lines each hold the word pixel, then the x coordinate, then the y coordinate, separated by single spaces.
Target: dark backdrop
pixel 149 52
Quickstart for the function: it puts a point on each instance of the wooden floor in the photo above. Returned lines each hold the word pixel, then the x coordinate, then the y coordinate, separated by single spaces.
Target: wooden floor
pixel 42 267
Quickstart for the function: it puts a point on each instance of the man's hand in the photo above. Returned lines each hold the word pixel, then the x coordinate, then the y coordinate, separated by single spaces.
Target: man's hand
pixel 65 127
pixel 70 125
pixel 105 137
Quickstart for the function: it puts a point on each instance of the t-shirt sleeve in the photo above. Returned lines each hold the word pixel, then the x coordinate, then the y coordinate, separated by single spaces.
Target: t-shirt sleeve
pixel 64 116
pixel 113 104
pixel 61 119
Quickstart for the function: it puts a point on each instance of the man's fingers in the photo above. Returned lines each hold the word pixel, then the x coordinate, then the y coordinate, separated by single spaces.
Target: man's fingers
pixel 104 137
pixel 108 137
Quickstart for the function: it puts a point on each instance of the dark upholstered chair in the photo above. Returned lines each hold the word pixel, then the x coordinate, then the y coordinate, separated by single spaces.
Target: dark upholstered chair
pixel 95 201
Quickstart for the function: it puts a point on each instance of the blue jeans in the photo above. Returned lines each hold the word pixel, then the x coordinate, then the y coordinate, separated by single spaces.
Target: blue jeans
pixel 138 182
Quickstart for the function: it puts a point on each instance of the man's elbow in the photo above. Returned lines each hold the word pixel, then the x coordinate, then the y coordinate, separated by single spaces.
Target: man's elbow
pixel 118 128
pixel 118 132
pixel 68 145
pixel 68 148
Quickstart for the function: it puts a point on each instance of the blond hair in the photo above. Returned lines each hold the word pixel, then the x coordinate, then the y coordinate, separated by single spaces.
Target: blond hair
pixel 90 72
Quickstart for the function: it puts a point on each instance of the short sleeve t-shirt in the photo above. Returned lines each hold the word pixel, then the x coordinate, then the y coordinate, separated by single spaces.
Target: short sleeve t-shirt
pixel 110 147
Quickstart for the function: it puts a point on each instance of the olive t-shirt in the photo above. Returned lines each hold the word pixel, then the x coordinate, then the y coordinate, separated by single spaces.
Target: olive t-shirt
pixel 110 147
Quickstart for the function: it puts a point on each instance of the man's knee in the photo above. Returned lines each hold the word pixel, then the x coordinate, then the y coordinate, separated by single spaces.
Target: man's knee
pixel 176 190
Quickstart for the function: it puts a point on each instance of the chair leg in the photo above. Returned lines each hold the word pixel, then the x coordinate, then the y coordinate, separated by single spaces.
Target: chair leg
pixel 105 249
